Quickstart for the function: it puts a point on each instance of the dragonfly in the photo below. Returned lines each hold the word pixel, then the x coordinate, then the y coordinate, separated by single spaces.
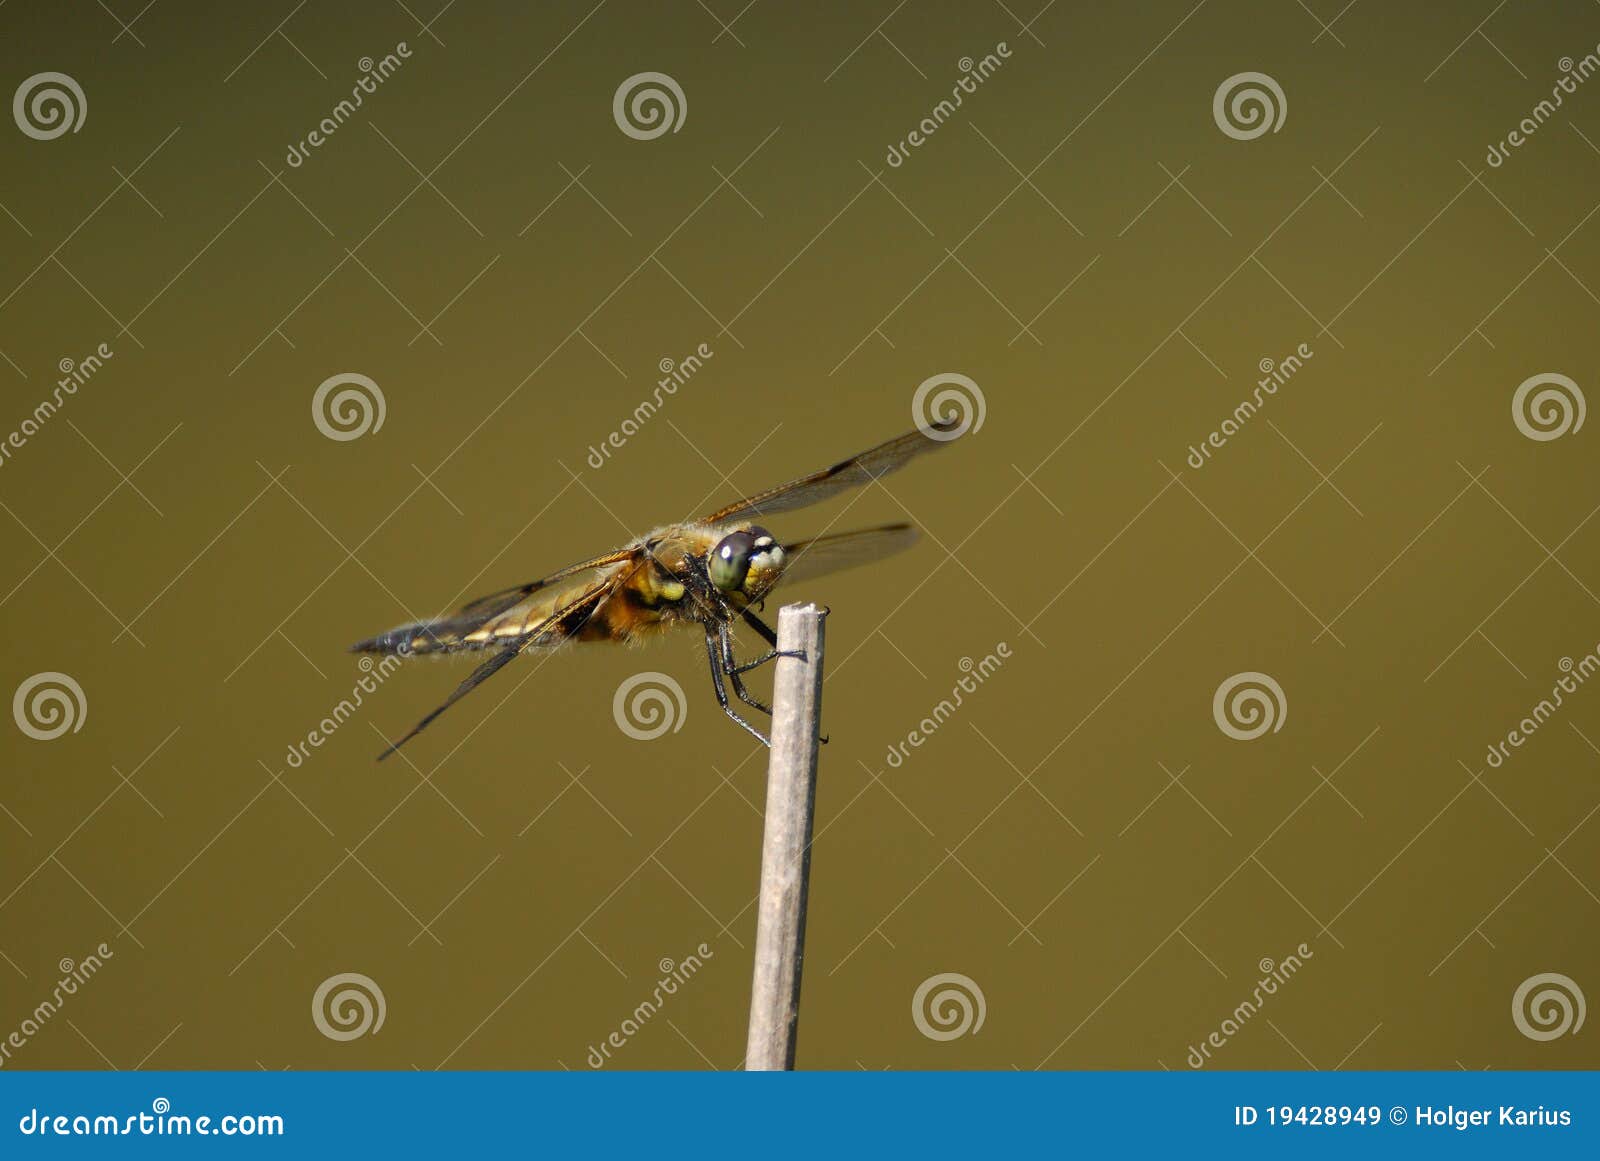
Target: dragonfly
pixel 707 574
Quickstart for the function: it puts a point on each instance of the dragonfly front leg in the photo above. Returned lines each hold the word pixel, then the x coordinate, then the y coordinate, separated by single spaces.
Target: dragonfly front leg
pixel 718 665
pixel 769 637
pixel 736 671
pixel 769 655
pixel 760 626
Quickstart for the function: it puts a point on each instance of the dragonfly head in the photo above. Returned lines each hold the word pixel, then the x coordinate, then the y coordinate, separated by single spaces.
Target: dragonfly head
pixel 747 562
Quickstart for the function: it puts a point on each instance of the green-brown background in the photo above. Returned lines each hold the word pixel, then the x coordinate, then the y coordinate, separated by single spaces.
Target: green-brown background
pixel 829 285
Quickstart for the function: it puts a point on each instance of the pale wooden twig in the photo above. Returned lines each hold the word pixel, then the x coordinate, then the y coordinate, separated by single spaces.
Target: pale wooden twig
pixel 786 841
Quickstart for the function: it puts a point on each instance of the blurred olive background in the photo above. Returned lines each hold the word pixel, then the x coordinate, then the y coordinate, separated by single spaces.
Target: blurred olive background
pixel 1080 840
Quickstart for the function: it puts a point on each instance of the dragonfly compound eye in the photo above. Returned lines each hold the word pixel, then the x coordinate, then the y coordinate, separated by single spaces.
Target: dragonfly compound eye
pixel 766 563
pixel 730 561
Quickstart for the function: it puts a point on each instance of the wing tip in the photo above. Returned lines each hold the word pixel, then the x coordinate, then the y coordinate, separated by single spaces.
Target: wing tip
pixel 393 747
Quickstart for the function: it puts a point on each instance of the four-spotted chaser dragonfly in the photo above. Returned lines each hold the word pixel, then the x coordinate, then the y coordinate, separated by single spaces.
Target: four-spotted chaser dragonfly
pixel 706 573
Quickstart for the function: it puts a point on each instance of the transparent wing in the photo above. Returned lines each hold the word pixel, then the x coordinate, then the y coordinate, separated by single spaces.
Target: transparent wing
pixel 809 559
pixel 560 622
pixel 841 477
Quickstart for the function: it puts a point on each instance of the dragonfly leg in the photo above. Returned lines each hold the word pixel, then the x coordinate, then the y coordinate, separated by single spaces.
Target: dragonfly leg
pixel 718 664
pixel 770 655
pixel 767 635
pixel 735 672
pixel 760 626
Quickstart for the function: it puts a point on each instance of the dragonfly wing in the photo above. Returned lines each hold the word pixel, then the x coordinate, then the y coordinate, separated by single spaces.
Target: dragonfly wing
pixel 841 477
pixel 557 625
pixel 451 633
pixel 478 676
pixel 499 600
pixel 809 559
